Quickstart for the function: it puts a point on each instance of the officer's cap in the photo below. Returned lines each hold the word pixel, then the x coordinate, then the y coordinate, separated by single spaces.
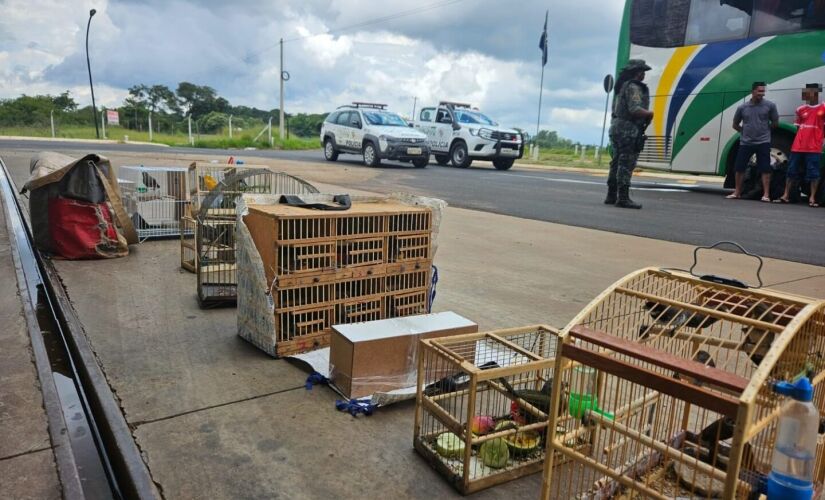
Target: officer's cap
pixel 637 65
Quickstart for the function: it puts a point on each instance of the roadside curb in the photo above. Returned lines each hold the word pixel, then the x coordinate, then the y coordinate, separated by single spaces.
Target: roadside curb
pixel 67 139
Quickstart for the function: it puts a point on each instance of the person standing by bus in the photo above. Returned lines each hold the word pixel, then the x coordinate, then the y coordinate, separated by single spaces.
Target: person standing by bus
pixel 807 146
pixel 754 119
pixel 630 119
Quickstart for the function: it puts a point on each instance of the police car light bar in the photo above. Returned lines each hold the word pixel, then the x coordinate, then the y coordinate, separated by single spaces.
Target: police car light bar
pixel 369 105
pixel 454 104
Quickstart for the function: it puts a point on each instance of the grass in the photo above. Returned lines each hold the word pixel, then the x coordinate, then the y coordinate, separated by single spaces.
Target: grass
pixel 568 158
pixel 177 139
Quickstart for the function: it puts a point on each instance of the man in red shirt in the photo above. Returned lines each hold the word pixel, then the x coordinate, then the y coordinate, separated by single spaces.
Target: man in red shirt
pixel 807 147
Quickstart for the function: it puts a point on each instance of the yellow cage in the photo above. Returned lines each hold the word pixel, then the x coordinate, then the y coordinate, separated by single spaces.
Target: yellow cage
pixel 669 379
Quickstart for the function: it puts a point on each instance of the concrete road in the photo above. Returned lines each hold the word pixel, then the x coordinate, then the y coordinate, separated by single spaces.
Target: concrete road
pixel 684 210
pixel 217 418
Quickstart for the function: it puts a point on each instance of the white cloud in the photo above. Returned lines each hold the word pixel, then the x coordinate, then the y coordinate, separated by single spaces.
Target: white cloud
pixel 479 51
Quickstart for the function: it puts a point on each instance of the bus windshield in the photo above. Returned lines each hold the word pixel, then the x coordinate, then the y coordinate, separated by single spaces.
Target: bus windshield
pixel 384 118
pixel 473 117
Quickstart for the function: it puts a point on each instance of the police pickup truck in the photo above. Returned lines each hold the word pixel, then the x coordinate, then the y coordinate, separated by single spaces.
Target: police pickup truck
pixel 370 130
pixel 460 134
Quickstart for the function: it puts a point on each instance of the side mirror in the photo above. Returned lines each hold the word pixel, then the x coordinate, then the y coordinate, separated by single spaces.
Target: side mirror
pixel 355 123
pixel 410 124
pixel 456 126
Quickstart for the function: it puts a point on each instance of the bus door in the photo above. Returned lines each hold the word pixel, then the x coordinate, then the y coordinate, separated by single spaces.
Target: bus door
pixel 698 154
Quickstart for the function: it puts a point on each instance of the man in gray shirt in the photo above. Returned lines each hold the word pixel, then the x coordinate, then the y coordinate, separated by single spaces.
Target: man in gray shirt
pixel 754 119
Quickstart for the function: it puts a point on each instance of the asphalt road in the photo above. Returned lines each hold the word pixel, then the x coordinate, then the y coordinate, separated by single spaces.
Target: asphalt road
pixel 694 214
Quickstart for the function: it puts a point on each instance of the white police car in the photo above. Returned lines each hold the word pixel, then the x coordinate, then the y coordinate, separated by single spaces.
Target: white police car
pixel 370 130
pixel 458 134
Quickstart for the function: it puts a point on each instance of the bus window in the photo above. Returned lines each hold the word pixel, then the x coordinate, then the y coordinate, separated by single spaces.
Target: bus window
pixel 718 20
pixel 659 23
pixel 773 17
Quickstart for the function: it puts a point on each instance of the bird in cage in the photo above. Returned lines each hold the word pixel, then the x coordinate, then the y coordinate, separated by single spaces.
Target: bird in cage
pixel 676 317
pixel 149 182
pixel 757 341
pixel 703 357
pixel 541 400
pixel 454 382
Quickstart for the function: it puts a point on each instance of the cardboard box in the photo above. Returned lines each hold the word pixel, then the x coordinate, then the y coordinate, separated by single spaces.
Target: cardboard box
pixel 381 356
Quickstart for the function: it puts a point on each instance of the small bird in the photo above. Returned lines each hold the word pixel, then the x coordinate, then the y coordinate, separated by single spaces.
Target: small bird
pixel 677 318
pixel 542 400
pixel 703 357
pixel 149 181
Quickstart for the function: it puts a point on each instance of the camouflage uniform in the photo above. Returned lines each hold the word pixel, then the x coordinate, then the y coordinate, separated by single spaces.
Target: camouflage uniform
pixel 626 136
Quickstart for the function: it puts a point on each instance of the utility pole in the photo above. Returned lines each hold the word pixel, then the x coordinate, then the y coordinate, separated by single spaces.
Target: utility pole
pixel 281 76
pixel 150 126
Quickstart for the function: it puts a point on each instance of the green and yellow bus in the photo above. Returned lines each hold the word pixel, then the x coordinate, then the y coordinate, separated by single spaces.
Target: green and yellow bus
pixel 705 55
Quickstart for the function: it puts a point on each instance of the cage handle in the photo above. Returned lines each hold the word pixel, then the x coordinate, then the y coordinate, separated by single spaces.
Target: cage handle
pixel 721 279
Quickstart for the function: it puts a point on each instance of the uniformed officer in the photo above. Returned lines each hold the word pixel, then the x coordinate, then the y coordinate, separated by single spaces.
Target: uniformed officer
pixel 631 117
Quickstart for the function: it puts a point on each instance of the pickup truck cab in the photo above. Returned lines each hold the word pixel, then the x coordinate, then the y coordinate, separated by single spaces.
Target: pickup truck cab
pixel 369 130
pixel 460 134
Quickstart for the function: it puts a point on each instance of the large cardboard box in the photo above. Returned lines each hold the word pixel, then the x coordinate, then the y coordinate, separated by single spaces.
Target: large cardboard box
pixel 381 356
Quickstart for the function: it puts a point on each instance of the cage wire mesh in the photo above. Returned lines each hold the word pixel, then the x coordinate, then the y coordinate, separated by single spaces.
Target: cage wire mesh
pixel 483 404
pixel 215 219
pixel 669 379
pixel 155 198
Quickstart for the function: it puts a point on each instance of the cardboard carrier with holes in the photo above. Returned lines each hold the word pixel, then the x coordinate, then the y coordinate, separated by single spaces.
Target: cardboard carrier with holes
pixel 306 263
pixel 669 378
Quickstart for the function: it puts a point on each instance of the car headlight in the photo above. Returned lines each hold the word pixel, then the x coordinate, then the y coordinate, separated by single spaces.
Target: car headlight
pixel 387 138
pixel 473 131
pixel 486 133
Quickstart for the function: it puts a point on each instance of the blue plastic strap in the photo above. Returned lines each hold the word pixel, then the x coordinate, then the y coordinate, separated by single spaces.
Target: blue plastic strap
pixel 355 407
pixel 314 379
pixel 433 283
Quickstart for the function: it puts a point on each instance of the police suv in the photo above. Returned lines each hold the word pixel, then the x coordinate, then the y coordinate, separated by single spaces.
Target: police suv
pixel 459 134
pixel 370 130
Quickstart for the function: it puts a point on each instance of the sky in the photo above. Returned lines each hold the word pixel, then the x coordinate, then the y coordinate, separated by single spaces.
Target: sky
pixel 483 52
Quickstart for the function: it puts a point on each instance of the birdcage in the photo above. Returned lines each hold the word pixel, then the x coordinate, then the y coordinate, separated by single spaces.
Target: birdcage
pixel 214 220
pixel 155 198
pixel 482 405
pixel 188 249
pixel 233 181
pixel 669 375
pixel 324 267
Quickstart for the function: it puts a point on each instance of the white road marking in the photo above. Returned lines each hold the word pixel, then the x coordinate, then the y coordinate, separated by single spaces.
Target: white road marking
pixel 666 188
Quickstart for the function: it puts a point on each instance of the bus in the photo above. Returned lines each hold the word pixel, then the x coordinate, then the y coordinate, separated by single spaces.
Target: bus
pixel 705 54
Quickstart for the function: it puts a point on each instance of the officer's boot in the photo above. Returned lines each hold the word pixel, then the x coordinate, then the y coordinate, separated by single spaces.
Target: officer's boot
pixel 624 200
pixel 611 194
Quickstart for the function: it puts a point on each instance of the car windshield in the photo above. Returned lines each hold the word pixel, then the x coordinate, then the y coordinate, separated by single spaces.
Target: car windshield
pixel 384 118
pixel 465 116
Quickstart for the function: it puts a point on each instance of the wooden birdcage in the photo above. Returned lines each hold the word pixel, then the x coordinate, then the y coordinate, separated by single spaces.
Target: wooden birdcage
pixel 669 378
pixel 324 267
pixel 214 217
pixel 188 250
pixel 482 404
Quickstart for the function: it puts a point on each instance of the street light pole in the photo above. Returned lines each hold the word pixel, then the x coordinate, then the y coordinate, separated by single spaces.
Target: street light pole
pixel 89 67
pixel 281 78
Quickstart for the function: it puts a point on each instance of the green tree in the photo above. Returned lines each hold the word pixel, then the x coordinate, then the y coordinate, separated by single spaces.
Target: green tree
pixel 197 100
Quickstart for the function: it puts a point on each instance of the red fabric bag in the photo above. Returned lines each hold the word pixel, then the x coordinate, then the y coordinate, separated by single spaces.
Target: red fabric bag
pixel 81 230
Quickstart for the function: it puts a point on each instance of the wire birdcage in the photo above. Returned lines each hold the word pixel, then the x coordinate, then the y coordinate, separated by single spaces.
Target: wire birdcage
pixel 214 219
pixel 155 198
pixel 668 376
pixel 483 403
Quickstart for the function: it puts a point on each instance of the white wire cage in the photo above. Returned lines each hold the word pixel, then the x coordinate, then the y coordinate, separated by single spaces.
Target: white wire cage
pixel 155 198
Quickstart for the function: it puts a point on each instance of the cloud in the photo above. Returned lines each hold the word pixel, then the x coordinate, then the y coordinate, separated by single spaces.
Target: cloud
pixel 481 51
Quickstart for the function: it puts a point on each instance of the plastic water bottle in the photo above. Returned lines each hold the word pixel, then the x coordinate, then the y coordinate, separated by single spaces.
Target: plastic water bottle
pixel 792 467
